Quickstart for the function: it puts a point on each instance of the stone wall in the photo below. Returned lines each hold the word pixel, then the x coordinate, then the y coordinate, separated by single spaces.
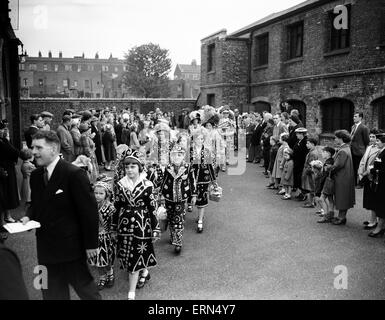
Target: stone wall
pixel 57 106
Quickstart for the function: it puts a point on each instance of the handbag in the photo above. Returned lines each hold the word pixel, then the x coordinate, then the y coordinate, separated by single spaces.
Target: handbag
pixel 215 192
pixel 328 188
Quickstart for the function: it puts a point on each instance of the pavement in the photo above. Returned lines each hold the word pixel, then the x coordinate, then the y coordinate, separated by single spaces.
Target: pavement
pixel 254 246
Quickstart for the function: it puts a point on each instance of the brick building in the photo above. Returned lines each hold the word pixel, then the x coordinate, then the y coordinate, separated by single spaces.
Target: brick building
pixel 9 75
pixel 298 59
pixel 72 77
pixel 186 81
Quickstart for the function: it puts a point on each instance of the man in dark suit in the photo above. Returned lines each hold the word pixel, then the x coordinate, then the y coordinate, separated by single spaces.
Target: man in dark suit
pixel 36 124
pixel 64 204
pixel 255 151
pixel 360 141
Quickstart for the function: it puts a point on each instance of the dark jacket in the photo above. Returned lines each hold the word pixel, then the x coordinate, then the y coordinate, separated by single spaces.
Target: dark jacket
pixel 360 140
pixel 256 135
pixel 28 134
pixel 67 211
pixel 12 286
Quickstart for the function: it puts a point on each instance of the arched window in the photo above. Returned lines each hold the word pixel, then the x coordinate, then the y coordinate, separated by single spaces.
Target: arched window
pixel 337 114
pixel 260 106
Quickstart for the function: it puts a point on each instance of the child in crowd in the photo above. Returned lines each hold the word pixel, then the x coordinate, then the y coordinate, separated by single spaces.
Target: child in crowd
pixel 177 186
pixel 274 143
pixel 105 258
pixel 316 166
pixel 280 161
pixel 307 181
pixel 26 169
pixel 287 179
pixel 327 195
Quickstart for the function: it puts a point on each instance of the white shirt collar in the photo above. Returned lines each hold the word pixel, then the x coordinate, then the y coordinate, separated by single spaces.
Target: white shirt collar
pixel 357 124
pixel 128 184
pixel 51 166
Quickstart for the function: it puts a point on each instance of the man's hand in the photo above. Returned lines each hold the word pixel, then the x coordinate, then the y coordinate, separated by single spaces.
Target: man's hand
pixel 193 200
pixel 24 220
pixel 91 253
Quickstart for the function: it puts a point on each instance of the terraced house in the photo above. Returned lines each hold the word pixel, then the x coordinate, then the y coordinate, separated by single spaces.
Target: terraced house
pixel 327 62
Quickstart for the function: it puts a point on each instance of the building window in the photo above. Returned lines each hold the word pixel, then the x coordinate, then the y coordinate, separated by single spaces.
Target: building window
pixel 179 87
pixel 79 68
pixel 75 83
pixel 22 66
pixel 295 40
pixel 125 68
pixel 116 69
pixel 68 67
pixel 41 82
pixel 25 82
pixel 104 68
pixel 65 82
pixel 45 67
pixel 211 99
pixel 337 114
pixel 90 67
pixel 339 39
pixel 262 50
pixel 211 57
pixel 87 84
pixel 33 67
pixel 56 67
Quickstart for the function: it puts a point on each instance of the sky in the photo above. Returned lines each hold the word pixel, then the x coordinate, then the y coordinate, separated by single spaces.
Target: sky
pixel 115 26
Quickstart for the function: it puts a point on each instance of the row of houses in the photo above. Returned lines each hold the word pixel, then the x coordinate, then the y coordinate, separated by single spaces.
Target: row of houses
pixel 325 58
pixel 81 77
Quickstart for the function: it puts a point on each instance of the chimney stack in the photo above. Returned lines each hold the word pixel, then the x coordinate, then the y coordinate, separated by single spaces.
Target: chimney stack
pixel 49 54
pixel 60 54
pixel 39 54
pixel 83 55
pixel 97 55
pixel 194 62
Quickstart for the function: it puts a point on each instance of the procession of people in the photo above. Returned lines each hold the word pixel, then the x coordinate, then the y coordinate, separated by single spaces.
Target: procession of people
pixel 115 181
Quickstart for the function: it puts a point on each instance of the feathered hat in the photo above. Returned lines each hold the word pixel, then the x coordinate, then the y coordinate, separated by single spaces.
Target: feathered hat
pixel 210 115
pixel 196 114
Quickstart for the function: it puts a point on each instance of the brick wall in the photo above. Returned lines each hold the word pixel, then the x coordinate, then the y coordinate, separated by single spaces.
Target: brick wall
pixel 57 106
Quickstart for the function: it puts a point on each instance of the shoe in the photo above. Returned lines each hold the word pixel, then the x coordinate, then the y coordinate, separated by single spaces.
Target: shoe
pixel 178 249
pixel 300 197
pixel 339 222
pixel 200 227
pixel 377 234
pixel 142 280
pixel 325 220
pixel 110 281
pixel 369 227
pixel 269 186
pixel 189 208
pixel 131 296
pixel 101 284
pixel 365 223
pixel 286 197
pixel 308 205
pixel 281 192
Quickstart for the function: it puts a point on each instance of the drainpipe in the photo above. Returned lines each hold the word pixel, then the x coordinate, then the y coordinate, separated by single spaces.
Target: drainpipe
pixel 249 47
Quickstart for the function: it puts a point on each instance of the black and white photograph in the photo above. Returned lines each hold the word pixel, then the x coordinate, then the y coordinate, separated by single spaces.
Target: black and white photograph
pixel 210 152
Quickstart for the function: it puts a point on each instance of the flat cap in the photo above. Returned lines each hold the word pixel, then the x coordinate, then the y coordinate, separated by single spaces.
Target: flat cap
pixel 46 114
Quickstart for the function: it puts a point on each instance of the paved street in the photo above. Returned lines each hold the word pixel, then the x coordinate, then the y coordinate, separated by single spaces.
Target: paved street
pixel 254 246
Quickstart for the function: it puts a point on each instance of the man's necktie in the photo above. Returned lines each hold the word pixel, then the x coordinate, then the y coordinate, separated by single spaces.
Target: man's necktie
pixel 45 176
pixel 353 130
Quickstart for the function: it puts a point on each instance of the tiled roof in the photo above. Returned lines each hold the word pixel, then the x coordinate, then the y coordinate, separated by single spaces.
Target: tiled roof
pixel 188 68
pixel 274 16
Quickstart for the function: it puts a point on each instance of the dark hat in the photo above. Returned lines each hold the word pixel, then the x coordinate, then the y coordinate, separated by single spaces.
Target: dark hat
pixel 381 137
pixel 46 114
pixel 295 119
pixel 132 156
pixel 76 116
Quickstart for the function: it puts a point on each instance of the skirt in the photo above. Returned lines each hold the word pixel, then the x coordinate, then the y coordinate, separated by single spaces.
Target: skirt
pixel 106 251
